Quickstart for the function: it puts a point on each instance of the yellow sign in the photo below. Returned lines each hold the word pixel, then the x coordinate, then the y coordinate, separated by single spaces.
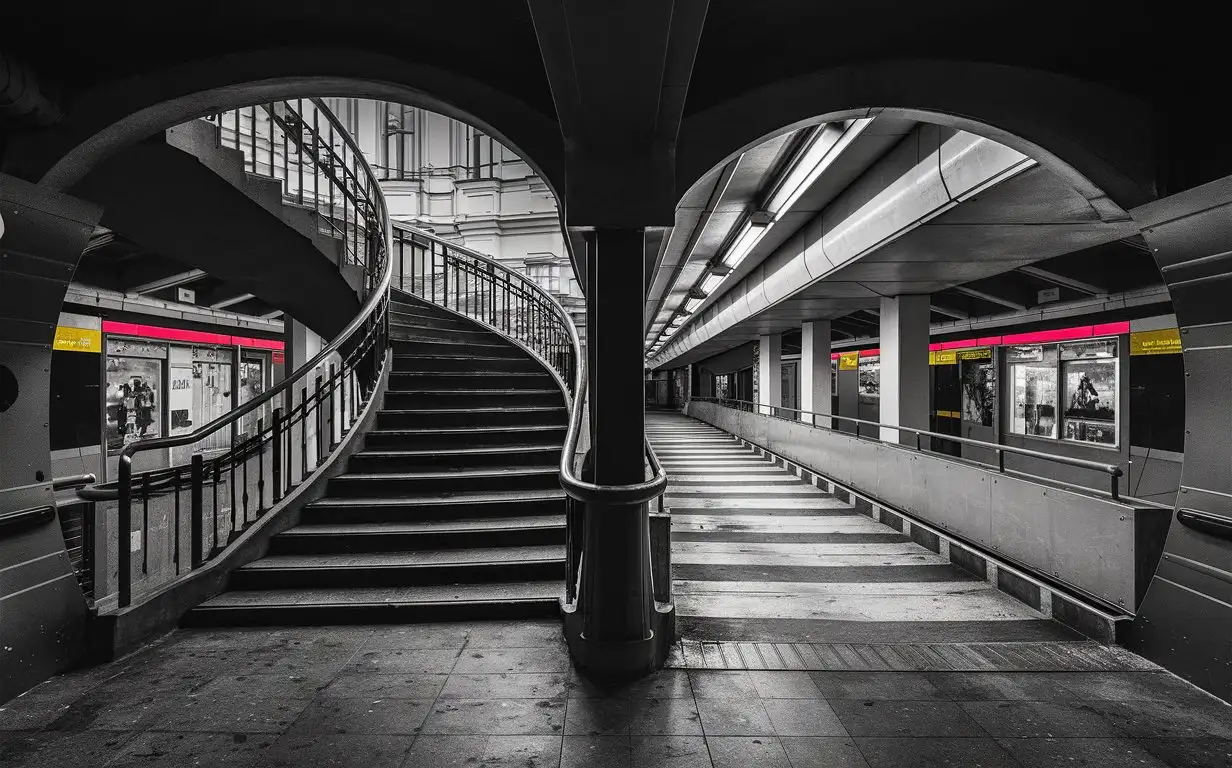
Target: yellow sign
pixel 1162 342
pixel 849 361
pixel 944 357
pixel 975 354
pixel 77 340
pixel 949 414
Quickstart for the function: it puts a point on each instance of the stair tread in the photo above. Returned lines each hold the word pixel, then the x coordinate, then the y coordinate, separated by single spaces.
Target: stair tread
pixel 476 372
pixel 469 430
pixel 360 597
pixel 459 473
pixel 484 409
pixel 482 450
pixel 429 499
pixel 474 391
pixel 461 525
pixel 472 556
pixel 443 356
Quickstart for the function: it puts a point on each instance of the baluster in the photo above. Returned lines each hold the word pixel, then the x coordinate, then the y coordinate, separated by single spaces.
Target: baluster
pixel 145 522
pixel 125 525
pixel 175 550
pixel 260 465
pixel 196 509
pixel 303 432
pixel 235 507
pixel 215 546
pixel 334 436
pixel 276 457
pixel 247 446
pixel 317 398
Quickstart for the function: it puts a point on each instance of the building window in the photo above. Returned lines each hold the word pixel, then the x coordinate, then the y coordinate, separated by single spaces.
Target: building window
pixel 400 159
pixel 483 155
pixel 546 275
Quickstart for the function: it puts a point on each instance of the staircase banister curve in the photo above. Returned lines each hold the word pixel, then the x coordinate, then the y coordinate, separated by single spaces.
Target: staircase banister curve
pixel 370 309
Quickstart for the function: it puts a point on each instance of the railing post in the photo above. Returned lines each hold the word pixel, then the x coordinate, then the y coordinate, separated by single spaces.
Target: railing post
pixel 276 470
pixel 333 427
pixel 1000 461
pixel 1116 487
pixel 197 509
pixel 318 402
pixel 124 521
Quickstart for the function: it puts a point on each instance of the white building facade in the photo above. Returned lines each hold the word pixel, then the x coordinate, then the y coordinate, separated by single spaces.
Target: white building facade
pixel 453 180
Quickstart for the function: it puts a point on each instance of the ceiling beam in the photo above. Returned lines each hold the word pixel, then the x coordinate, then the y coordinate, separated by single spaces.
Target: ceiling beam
pixel 990 297
pixel 1063 281
pixel 272 315
pixel 232 301
pixel 180 278
pixel 957 314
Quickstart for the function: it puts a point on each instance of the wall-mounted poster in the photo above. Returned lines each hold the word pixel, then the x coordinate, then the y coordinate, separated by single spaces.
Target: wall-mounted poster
pixel 979 391
pixel 1091 400
pixel 1035 398
pixel 870 376
pixel 134 401
pixel 180 400
pixel 833 377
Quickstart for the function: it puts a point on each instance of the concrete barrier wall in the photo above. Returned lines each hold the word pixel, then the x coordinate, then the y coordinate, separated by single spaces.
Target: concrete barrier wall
pixel 1097 546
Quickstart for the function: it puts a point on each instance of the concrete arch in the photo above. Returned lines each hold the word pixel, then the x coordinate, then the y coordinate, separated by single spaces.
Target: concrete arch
pixel 1101 141
pixel 108 118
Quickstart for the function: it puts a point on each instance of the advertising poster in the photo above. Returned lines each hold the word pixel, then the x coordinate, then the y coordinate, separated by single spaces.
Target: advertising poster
pixel 870 376
pixel 979 390
pixel 1035 398
pixel 133 401
pixel 180 400
pixel 1091 395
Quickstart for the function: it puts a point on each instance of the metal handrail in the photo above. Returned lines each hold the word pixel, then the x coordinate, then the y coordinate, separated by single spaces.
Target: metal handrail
pixel 532 287
pixel 73 481
pixel 1114 471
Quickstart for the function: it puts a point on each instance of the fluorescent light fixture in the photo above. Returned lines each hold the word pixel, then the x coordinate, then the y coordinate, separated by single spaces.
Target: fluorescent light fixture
pixel 749 235
pixel 692 304
pixel 678 321
pixel 711 282
pixel 828 143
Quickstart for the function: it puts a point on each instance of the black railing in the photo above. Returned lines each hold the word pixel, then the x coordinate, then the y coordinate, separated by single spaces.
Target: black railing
pixel 240 465
pixel 483 289
pixel 872 431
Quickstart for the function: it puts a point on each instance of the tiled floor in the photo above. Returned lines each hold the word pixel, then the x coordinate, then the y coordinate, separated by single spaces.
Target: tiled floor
pixel 505 695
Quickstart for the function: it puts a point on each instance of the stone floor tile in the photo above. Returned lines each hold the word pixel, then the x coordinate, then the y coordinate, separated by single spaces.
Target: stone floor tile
pixel 530 685
pixel 1158 719
pixel 670 752
pixel 1191 753
pixel 1039 719
pixel 419 636
pixel 734 717
pixel 784 685
pixel 822 752
pixel 179 749
pixel 122 705
pixel 941 719
pixel 1088 753
pixel 746 751
pixel 416 661
pixel 437 751
pixel 496 717
pixel 664 684
pixel 663 717
pixel 903 686
pixel 240 714
pixel 534 751
pixel 721 684
pixel 393 686
pixel 266 685
pixel 1002 686
pixel 803 717
pixel 1135 686
pixel 336 750
pixel 590 751
pixel 493 660
pixel 516 634
pixel 599 717
pixel 332 714
pixel 934 753
pixel 59 749
pixel 319 664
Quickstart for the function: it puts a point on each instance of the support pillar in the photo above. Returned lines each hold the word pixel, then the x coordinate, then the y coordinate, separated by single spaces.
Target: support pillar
pixel 42 610
pixel 768 389
pixel 815 382
pixel 619 632
pixel 904 365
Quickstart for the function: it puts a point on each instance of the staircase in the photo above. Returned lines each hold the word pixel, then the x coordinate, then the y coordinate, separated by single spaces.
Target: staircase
pixel 451 510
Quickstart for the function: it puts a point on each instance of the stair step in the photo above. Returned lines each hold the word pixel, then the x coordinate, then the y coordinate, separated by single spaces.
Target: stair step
pixel 392 569
pixel 457 602
pixel 553 434
pixel 470 381
pixel 401 314
pixel 386 460
pixel 404 399
pixel 481 416
pixel 435 507
pixel 526 530
pixel 488 478
pixel 464 363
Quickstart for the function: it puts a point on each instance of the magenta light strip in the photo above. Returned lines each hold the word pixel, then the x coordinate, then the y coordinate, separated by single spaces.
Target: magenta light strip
pixel 190 337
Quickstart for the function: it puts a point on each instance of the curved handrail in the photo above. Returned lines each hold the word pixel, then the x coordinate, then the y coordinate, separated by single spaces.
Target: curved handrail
pixel 1113 470
pixel 511 274
pixel 366 312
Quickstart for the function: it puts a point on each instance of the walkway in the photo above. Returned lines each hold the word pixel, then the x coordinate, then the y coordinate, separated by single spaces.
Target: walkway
pixel 503 694
pixel 758 554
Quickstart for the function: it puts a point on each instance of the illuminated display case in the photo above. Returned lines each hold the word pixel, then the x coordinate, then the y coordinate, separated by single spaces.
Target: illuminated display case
pixel 1068 391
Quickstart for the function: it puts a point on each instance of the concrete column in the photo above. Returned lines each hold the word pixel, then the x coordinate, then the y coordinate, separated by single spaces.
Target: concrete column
pixel 815 371
pixel 904 365
pixel 42 611
pixel 769 390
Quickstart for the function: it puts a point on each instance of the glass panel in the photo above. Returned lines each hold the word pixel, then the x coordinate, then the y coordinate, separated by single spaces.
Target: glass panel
pixel 1091 401
pixel 133 401
pixel 979 391
pixel 1035 399
pixel 870 377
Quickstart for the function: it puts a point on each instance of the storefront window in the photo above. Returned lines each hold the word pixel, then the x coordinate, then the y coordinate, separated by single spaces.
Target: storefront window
pixel 870 377
pixel 979 386
pixel 1089 370
pixel 1033 372
pixel 134 400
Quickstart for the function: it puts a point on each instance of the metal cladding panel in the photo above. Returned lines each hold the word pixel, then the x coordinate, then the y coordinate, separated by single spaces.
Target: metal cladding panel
pixel 755 295
pixel 1208 415
pixel 969 161
pixel 1093 545
pixel 899 192
pixel 816 261
pixel 959 499
pixel 789 271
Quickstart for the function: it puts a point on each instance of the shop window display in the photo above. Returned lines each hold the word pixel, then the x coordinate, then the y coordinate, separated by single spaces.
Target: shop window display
pixel 1034 378
pixel 134 401
pixel 870 377
pixel 979 388
pixel 1066 390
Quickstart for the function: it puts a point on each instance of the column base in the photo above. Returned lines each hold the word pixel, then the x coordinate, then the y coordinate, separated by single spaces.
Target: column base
pixel 616 662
